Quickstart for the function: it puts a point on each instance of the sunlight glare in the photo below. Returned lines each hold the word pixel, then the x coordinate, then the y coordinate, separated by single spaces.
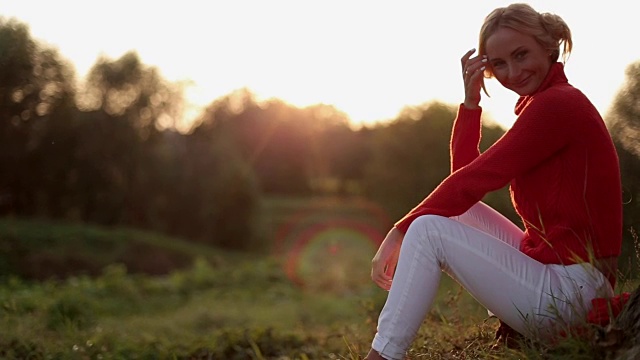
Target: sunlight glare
pixel 368 59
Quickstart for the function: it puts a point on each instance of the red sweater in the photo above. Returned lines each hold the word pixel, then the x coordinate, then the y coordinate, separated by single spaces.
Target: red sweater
pixel 562 168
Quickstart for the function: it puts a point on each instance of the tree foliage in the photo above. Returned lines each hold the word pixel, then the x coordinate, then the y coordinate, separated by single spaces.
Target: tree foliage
pixel 410 157
pixel 126 87
pixel 623 120
pixel 624 115
pixel 293 151
pixel 111 155
pixel 36 90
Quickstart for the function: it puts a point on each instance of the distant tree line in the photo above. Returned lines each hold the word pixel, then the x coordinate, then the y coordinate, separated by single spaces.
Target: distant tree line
pixel 106 150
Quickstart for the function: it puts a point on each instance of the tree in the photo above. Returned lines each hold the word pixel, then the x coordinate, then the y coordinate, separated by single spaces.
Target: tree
pixel 124 104
pixel 410 157
pixel 127 87
pixel 218 175
pixel 623 120
pixel 36 96
pixel 338 153
pixel 624 116
pixel 217 197
pixel 273 137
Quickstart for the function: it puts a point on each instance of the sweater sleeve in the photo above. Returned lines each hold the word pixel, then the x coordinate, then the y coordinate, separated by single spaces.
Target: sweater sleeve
pixel 465 137
pixel 543 128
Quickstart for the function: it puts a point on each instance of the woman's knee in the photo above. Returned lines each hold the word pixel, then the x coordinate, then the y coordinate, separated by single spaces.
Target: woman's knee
pixel 425 224
pixel 424 227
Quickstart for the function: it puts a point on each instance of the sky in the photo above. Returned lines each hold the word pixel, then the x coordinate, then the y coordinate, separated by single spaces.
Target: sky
pixel 369 58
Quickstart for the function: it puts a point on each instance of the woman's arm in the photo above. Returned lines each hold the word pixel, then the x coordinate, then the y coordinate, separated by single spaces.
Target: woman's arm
pixel 544 128
pixel 465 137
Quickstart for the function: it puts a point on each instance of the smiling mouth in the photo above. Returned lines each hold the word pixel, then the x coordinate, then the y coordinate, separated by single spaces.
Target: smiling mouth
pixel 522 83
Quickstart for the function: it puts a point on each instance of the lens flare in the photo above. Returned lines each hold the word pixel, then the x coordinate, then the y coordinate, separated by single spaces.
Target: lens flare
pixel 329 248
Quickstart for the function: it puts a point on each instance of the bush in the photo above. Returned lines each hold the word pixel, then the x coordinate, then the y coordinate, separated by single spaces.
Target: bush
pixel 70 311
pixel 42 250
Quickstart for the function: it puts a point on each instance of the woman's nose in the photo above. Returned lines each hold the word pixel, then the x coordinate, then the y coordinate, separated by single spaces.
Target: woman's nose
pixel 514 71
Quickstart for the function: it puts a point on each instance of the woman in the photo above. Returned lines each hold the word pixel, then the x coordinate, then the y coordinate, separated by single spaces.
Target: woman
pixel 564 180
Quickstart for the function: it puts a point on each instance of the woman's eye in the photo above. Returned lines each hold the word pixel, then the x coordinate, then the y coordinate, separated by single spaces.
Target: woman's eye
pixel 497 64
pixel 521 54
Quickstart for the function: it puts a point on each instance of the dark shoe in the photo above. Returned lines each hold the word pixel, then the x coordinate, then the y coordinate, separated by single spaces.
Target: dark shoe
pixel 506 336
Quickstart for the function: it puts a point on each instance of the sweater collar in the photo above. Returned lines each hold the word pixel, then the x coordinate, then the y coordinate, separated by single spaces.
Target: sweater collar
pixel 554 76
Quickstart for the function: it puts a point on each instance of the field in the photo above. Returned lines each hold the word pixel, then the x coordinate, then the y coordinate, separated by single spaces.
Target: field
pixel 308 298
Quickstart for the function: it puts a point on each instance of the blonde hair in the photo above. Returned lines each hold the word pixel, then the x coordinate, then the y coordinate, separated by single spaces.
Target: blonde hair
pixel 548 29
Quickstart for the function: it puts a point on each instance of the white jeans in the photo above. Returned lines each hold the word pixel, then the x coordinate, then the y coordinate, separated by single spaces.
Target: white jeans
pixel 480 250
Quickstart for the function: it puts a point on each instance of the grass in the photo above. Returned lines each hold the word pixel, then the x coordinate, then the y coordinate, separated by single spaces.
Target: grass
pixel 248 311
pixel 40 249
pixel 223 306
pixel 218 304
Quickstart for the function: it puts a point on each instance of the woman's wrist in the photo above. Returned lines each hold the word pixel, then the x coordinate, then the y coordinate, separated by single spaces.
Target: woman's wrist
pixel 470 105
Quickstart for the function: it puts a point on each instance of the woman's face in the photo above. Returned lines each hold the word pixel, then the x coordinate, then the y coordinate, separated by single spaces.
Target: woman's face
pixel 517 60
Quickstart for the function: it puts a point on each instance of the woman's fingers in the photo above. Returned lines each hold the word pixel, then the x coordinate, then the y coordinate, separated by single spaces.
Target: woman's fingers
pixel 378 271
pixel 381 276
pixel 386 258
pixel 382 273
pixel 473 75
pixel 465 59
pixel 383 281
pixel 474 66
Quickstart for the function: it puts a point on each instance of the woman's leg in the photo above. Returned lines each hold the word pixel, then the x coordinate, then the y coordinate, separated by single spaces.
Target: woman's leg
pixel 486 219
pixel 486 267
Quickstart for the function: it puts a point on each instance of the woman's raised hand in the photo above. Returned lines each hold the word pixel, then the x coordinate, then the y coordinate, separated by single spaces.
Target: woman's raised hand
pixel 384 262
pixel 473 76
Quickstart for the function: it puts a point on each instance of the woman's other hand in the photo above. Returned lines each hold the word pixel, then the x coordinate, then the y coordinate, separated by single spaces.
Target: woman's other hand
pixel 385 261
pixel 473 76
